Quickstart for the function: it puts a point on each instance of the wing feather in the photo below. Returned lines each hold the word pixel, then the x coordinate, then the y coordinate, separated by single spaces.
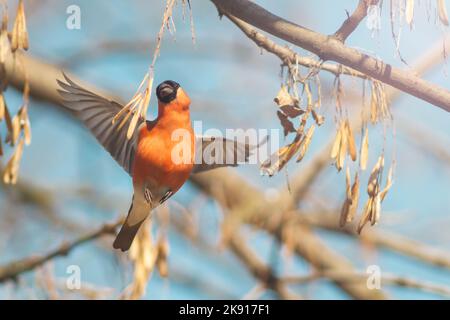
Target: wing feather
pixel 235 151
pixel 97 114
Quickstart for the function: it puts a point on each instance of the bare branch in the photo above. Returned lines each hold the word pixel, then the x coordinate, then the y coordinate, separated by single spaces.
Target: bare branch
pixel 330 48
pixel 14 269
pixel 352 22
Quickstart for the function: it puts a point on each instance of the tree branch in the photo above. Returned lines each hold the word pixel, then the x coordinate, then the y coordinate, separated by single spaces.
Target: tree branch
pixel 13 269
pixel 287 55
pixel 330 48
pixel 352 22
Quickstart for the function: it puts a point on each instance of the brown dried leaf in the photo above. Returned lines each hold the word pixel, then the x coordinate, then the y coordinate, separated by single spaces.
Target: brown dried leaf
pixel 288 126
pixel 319 119
pixel 351 141
pixel 365 150
pixel 283 98
pixel 292 111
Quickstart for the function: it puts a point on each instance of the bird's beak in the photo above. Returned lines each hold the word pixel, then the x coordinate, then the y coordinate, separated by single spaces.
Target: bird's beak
pixel 165 91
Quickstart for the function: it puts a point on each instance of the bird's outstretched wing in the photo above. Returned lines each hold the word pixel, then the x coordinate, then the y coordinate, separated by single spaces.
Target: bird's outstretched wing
pixel 97 114
pixel 217 152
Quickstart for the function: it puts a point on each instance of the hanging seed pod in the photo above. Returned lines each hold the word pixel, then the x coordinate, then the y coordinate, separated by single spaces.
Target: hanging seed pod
pixel 373 184
pixel 364 150
pixel 442 11
pixel 2 107
pixel 25 124
pixel 389 183
pixel 336 144
pixel 354 199
pixel 366 215
pixel 348 199
pixel 19 39
pixel 342 149
pixel 11 173
pixel 409 12
pixel 376 210
pixel 351 141
pixel 306 142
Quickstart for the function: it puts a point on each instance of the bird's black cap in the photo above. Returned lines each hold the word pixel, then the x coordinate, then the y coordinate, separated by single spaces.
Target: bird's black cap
pixel 167 91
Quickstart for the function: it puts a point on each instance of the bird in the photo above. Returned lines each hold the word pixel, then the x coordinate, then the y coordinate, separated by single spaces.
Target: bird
pixel 147 156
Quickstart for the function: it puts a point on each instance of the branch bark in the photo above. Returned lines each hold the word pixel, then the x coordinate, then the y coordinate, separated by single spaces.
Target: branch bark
pixel 330 48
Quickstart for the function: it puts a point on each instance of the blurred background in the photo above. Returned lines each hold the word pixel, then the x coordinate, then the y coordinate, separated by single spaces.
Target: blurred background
pixel 69 185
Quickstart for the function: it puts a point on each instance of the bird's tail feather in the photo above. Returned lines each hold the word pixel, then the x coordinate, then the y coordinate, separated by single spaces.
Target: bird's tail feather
pixel 129 230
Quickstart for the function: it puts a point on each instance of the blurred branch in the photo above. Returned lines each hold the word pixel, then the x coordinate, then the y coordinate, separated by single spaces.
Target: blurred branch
pixel 352 22
pixel 251 207
pixel 419 135
pixel 330 48
pixel 238 246
pixel 386 279
pixel 391 241
pixel 14 269
pixel 260 271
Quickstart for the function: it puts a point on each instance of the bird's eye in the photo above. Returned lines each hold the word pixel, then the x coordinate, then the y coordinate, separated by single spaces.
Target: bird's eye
pixel 167 91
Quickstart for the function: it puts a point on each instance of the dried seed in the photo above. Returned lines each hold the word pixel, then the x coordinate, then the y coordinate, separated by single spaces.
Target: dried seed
pixel 366 215
pixel 2 107
pixel 342 150
pixel 354 198
pixel 19 39
pixel 306 142
pixel 373 184
pixel 5 46
pixel 336 144
pixel 376 210
pixel 344 213
pixel 409 12
pixel 442 10
pixel 351 141
pixel 365 150
pixel 389 183
pixel 10 175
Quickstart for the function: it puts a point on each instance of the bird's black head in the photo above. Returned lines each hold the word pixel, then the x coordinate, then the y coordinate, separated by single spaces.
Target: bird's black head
pixel 167 91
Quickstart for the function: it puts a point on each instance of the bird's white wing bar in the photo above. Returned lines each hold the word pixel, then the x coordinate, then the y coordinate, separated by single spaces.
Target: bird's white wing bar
pixel 97 114
pixel 217 152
